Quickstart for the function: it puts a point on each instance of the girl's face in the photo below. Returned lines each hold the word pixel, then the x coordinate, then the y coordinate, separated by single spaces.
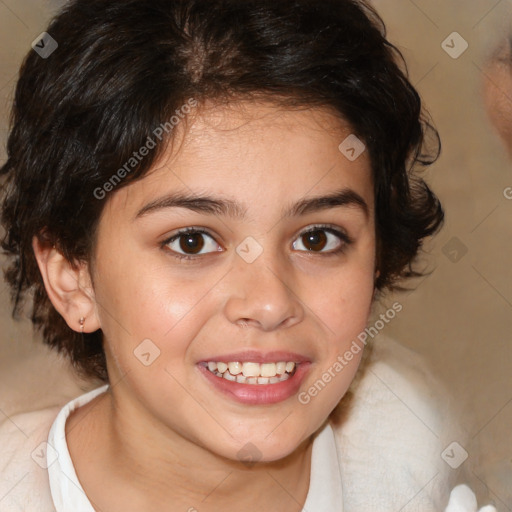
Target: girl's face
pixel 279 266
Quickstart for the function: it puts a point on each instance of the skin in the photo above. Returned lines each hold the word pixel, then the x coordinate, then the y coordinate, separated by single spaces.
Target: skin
pixel 497 94
pixel 163 427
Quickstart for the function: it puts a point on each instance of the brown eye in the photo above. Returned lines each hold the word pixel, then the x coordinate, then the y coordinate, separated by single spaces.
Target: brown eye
pixel 314 240
pixel 323 240
pixel 191 243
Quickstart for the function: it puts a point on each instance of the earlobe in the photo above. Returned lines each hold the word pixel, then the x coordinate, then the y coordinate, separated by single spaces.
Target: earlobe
pixel 69 287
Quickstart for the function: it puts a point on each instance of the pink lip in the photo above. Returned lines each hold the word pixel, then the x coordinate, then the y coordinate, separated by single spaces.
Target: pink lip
pixel 257 394
pixel 254 356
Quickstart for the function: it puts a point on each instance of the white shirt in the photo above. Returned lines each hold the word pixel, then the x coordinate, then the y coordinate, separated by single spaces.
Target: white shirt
pixel 66 490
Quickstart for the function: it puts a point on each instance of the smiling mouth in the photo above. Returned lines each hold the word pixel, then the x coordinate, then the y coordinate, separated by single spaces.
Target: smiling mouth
pixel 251 372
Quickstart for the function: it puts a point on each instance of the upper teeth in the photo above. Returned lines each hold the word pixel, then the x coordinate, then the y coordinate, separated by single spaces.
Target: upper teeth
pixel 252 369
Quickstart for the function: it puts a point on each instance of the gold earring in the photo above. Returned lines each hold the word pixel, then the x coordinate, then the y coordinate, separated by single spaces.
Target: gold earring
pixel 81 322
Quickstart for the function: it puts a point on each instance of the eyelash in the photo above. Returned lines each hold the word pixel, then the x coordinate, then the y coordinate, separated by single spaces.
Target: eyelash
pixel 347 240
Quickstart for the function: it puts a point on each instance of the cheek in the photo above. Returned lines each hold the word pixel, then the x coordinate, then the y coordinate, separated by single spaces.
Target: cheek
pixel 344 298
pixel 344 308
pixel 147 307
pixel 139 302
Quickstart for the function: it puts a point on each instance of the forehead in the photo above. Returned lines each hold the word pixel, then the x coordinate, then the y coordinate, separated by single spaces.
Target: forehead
pixel 257 152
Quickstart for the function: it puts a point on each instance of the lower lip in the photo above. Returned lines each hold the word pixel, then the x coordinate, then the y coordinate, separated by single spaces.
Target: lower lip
pixel 258 394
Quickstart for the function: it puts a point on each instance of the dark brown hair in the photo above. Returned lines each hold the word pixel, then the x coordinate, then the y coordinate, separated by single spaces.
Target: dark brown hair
pixel 124 67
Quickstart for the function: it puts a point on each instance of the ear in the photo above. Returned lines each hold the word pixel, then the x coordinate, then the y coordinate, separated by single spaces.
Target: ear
pixel 69 289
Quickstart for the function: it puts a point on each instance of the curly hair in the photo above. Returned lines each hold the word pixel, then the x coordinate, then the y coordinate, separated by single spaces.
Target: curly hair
pixel 124 67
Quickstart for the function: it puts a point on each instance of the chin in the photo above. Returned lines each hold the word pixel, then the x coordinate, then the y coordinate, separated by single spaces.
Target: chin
pixel 263 448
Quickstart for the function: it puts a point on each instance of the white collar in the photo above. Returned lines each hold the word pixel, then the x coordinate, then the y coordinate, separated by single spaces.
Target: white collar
pixel 67 493
pixel 325 487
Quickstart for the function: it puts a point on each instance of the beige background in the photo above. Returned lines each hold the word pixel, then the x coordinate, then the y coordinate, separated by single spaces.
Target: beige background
pixel 460 317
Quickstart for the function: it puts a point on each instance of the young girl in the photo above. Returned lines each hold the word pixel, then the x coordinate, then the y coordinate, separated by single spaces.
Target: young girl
pixel 204 199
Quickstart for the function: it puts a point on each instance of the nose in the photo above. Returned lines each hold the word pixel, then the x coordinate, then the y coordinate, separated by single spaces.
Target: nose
pixel 262 294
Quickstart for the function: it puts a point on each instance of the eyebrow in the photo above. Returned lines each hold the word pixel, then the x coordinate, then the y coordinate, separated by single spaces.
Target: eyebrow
pixel 227 207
